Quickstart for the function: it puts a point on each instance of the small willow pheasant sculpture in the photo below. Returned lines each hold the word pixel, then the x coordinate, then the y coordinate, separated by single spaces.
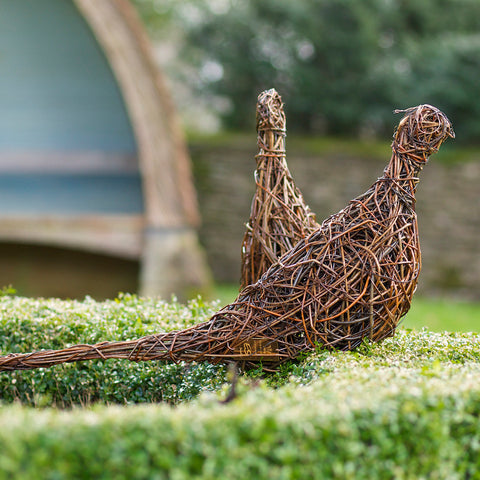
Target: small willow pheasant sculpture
pixel 352 278
pixel 279 217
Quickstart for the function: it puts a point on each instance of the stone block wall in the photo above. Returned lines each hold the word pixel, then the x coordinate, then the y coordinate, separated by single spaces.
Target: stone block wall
pixel 448 206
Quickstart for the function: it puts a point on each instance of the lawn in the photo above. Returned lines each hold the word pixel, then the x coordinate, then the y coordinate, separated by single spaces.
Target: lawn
pixel 443 315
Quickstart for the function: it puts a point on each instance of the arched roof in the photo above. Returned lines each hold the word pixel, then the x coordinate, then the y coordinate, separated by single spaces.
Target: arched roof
pixel 170 199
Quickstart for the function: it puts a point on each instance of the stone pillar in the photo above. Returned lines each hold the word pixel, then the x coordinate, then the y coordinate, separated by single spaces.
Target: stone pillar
pixel 173 263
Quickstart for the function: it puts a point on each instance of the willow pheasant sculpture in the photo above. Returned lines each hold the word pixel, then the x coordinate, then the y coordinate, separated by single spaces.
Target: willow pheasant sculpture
pixel 350 279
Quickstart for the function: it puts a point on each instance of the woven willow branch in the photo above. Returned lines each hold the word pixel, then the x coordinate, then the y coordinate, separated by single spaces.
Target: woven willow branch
pixel 279 217
pixel 353 277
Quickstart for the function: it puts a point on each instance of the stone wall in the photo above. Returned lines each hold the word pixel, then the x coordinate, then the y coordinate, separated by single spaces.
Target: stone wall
pixel 448 206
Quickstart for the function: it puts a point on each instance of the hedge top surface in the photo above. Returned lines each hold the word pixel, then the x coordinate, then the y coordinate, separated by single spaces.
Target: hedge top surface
pixel 27 324
pixel 31 324
pixel 353 423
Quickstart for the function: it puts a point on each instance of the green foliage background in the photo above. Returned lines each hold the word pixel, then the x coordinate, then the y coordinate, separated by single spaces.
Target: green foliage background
pixel 341 66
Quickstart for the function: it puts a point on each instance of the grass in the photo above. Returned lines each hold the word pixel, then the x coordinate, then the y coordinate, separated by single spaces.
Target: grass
pixel 437 315
pixel 443 315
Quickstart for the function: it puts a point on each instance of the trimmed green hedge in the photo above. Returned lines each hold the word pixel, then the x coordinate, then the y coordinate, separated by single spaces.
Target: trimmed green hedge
pixel 378 424
pixel 407 408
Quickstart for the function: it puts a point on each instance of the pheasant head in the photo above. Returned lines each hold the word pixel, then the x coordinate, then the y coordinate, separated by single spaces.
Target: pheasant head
pixel 421 132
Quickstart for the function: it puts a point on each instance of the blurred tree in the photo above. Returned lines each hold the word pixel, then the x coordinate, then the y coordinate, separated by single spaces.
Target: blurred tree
pixel 340 65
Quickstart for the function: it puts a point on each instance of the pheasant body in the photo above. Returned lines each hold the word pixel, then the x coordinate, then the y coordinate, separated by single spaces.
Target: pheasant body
pixel 355 276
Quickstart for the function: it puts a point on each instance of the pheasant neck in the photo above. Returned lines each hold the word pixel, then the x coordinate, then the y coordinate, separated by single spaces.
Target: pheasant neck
pixel 404 169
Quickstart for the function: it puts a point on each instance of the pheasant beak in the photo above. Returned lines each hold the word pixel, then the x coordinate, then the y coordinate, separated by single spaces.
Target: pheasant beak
pixel 450 132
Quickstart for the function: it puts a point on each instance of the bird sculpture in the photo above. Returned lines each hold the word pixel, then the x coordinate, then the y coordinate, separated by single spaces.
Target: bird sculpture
pixel 350 279
pixel 279 217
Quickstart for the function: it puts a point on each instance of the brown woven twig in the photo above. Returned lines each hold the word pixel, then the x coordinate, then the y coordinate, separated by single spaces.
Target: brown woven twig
pixel 352 278
pixel 279 217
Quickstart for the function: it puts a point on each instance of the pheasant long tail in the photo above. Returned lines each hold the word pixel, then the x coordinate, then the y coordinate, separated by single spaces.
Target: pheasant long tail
pixel 279 217
pixel 154 347
pixel 227 336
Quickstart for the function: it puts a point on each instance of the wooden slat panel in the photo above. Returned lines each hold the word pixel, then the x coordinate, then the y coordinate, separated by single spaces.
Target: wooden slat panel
pixel 38 161
pixel 57 90
pixel 54 194
pixel 115 235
